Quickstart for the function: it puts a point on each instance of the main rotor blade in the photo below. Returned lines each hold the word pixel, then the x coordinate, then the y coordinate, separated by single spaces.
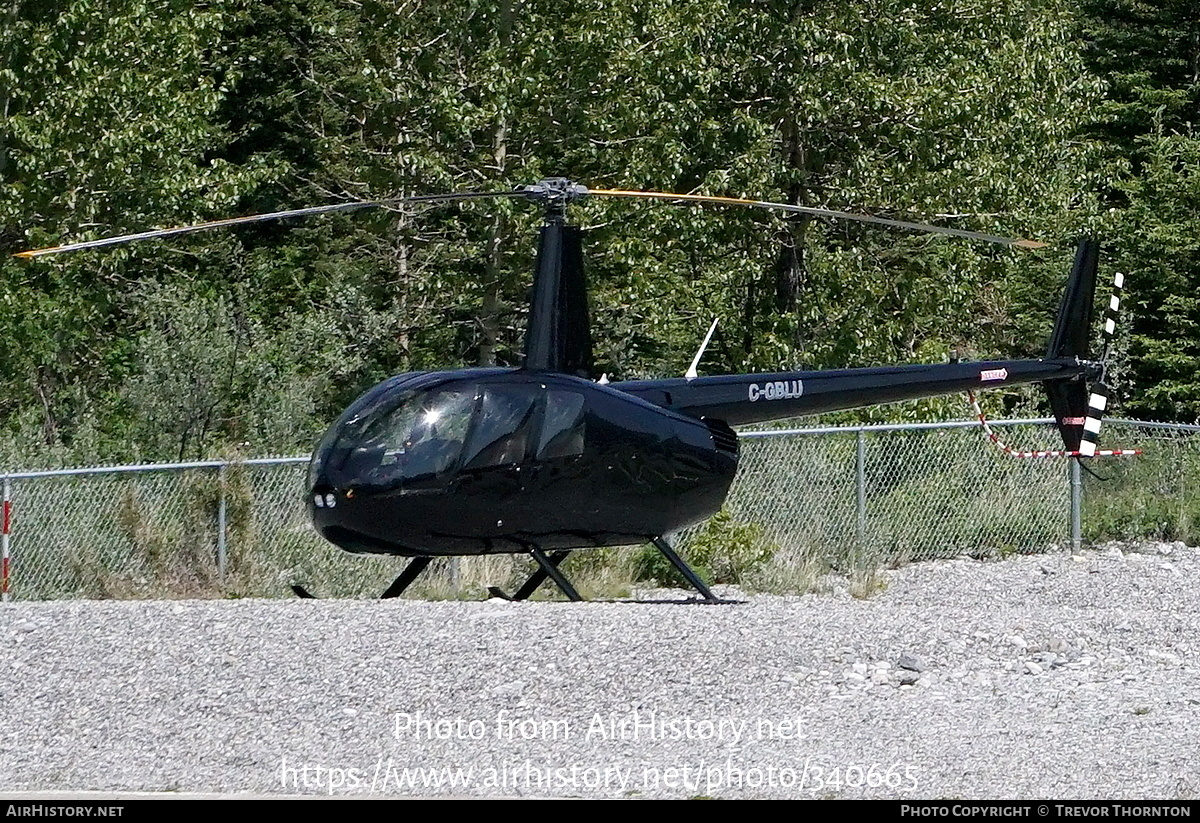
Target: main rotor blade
pixel 840 215
pixel 261 218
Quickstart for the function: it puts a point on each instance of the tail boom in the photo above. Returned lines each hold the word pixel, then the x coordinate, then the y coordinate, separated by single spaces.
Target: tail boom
pixel 741 399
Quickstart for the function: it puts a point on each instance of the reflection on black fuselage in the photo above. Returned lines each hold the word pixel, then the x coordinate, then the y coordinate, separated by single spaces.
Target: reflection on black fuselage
pixel 495 460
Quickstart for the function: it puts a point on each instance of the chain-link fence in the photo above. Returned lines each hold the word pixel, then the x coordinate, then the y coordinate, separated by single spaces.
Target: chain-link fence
pixel 805 501
pixel 1152 497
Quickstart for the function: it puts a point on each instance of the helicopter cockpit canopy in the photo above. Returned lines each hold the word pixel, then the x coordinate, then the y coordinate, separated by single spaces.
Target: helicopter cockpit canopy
pixel 417 437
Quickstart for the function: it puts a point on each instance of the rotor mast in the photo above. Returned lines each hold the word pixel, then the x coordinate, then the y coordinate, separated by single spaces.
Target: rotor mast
pixel 558 338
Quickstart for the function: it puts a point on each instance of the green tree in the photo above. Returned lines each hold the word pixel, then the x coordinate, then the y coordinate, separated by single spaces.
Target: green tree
pixel 959 112
pixel 108 127
pixel 1148 52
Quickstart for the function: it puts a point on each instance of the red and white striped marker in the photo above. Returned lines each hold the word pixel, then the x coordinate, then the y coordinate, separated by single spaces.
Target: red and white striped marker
pixel 5 560
pixel 1009 450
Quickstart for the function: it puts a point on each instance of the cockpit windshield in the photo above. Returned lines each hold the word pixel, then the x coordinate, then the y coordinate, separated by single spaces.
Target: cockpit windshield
pixel 418 436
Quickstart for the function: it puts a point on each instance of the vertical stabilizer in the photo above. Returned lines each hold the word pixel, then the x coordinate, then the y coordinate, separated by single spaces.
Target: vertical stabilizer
pixel 1072 338
pixel 1072 330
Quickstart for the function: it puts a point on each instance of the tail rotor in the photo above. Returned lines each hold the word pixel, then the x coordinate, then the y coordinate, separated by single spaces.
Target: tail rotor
pixel 1098 398
pixel 1078 411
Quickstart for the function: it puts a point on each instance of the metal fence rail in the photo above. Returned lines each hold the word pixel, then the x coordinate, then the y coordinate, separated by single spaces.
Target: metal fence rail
pixel 821 497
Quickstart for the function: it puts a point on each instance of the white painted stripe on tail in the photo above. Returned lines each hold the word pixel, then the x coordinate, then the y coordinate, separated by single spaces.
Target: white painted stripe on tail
pixel 1098 401
pixel 1087 449
pixel 1119 281
pixel 1114 304
pixel 1092 424
pixel 1110 326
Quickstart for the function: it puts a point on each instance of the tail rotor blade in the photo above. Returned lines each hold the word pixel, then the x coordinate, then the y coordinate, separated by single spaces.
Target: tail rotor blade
pixel 1100 394
pixel 1110 314
pixel 1097 403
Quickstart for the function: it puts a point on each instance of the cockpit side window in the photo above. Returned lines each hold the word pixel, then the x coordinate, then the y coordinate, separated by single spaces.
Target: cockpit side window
pixel 562 426
pixel 502 427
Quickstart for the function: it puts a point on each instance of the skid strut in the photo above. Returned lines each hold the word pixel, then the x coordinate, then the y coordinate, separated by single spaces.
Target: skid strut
pixel 406 577
pixel 550 568
pixel 536 579
pixel 689 574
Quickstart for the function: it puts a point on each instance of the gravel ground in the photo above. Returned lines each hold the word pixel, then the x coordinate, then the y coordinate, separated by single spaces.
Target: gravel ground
pixel 1037 677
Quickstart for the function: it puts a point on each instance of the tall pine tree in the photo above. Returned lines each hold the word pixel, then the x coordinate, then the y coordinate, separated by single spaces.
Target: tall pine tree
pixel 1148 53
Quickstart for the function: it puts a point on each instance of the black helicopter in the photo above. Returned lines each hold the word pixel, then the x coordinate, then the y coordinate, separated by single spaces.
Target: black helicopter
pixel 545 459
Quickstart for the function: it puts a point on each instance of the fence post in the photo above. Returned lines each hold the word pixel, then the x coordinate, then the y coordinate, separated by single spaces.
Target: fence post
pixel 860 468
pixel 221 522
pixel 1076 506
pixel 5 561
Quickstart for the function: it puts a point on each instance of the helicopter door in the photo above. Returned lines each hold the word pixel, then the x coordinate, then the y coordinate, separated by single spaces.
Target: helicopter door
pixel 416 445
pixel 503 427
pixel 562 426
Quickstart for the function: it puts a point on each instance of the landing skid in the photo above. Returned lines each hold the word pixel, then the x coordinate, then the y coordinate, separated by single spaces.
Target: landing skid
pixel 402 582
pixel 548 567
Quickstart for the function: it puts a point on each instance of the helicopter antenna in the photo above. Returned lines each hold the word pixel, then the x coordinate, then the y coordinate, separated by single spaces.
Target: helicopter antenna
pixel 692 374
pixel 839 215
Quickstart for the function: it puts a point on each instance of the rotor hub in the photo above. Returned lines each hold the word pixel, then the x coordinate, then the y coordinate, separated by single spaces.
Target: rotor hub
pixel 555 193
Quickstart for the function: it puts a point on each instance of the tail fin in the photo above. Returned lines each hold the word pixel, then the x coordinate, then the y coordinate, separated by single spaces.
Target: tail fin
pixel 1071 338
pixel 1072 330
pixel 1077 411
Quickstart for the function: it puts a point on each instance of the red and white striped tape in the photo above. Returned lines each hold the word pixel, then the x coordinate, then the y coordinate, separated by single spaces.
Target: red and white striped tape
pixel 1009 450
pixel 5 560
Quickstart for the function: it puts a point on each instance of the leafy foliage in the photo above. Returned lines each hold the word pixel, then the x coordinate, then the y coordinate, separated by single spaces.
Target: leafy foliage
pixel 1148 52
pixel 724 550
pixel 970 113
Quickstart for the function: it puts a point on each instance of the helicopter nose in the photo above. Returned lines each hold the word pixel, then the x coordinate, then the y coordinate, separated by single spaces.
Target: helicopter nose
pixel 327 508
